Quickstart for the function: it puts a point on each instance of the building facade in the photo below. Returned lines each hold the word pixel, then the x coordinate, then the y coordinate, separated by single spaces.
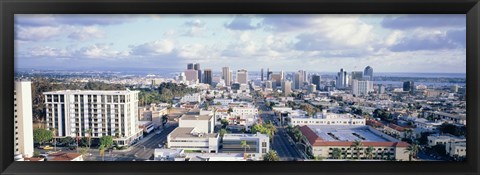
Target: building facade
pixel 227 76
pixel 361 88
pixel 106 113
pixel 242 76
pixel 23 129
pixel 258 145
pixel 342 79
pixel 207 79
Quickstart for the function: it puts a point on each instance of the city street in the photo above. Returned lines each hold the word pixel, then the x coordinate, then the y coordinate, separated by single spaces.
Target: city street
pixel 285 149
pixel 144 149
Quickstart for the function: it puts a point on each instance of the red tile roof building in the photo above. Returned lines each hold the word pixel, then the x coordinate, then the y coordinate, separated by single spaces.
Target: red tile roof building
pixel 385 147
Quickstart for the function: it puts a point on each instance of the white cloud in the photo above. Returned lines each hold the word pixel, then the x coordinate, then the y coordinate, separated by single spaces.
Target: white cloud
pixel 36 33
pixel 102 51
pixel 158 47
pixel 85 33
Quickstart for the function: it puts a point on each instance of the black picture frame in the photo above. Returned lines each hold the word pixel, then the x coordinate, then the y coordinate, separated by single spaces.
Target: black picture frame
pixel 10 7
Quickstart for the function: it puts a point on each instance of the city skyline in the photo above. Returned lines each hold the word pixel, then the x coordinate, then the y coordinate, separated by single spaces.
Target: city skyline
pixel 421 43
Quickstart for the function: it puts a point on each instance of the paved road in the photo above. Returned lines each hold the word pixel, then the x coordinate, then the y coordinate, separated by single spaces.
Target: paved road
pixel 144 150
pixel 286 150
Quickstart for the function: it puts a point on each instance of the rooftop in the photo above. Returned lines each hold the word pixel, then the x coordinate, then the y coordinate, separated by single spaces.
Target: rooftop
pixel 196 117
pixel 326 135
pixel 93 92
pixel 190 133
pixel 239 136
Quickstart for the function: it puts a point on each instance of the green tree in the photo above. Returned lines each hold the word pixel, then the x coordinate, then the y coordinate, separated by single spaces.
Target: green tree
pixel 336 153
pixel 412 151
pixel 271 156
pixel 42 135
pixel 101 151
pixel 89 133
pixel 223 132
pixel 67 140
pixel 106 141
pixel 224 123
pixel 83 151
pixel 369 152
pixel 356 146
pixel 245 146
pixel 164 120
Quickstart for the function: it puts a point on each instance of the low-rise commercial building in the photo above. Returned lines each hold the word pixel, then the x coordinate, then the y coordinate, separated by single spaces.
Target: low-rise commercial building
pixel 325 118
pixel 195 133
pixel 258 145
pixel 443 139
pixel 196 97
pixel 321 140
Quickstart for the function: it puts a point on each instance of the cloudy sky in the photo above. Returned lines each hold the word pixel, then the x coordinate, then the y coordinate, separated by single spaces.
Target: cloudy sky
pixel 323 43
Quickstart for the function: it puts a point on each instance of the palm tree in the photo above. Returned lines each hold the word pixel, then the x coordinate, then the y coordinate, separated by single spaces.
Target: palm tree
pixel 54 133
pixel 412 150
pixel 356 146
pixel 101 151
pixel 408 133
pixel 271 156
pixel 245 145
pixel 336 153
pixel 369 152
pixel 89 133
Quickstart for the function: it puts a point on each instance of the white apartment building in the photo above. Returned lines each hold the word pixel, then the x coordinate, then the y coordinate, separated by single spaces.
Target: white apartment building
pixel 222 101
pixel 23 129
pixel 195 132
pixel 443 139
pixel 196 97
pixel 107 113
pixel 325 118
pixel 245 110
pixel 456 149
pixel 258 145
pixel 361 88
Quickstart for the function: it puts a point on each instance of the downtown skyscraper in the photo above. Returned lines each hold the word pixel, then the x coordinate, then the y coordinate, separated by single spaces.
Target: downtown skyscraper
pixel 207 76
pixel 227 76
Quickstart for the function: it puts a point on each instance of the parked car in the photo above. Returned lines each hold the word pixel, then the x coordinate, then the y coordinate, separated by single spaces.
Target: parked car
pixel 48 147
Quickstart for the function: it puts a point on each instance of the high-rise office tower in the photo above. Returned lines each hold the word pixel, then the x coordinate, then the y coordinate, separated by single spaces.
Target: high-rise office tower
pixel 316 81
pixel 312 88
pixel 23 131
pixel 268 84
pixel 207 76
pixel 227 76
pixel 298 80
pixel 305 76
pixel 381 89
pixel 189 66
pixel 408 86
pixel 361 88
pixel 261 75
pixel 342 79
pixel 196 67
pixel 286 88
pixel 357 75
pixel 242 76
pixel 191 75
pixel 107 113
pixel 368 73
pixel 276 80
